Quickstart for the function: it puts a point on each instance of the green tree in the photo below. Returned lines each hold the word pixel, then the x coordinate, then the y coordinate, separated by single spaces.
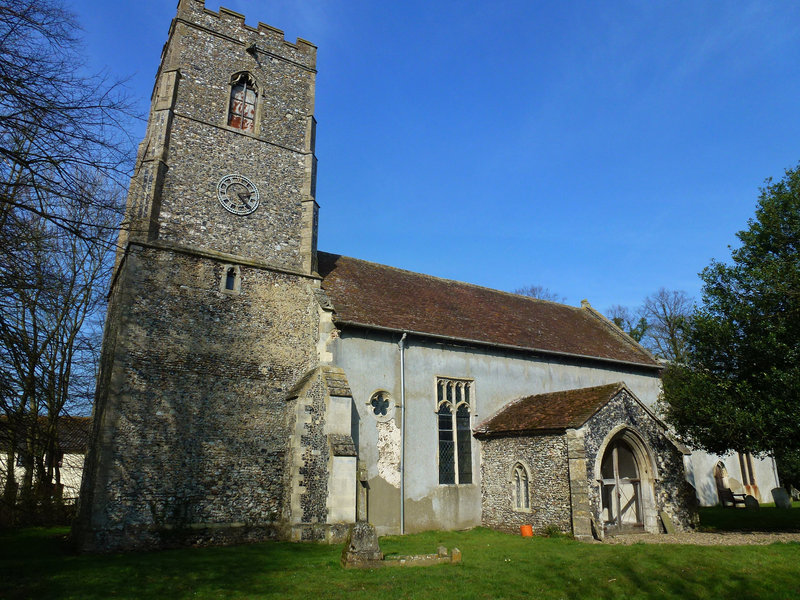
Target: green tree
pixel 739 387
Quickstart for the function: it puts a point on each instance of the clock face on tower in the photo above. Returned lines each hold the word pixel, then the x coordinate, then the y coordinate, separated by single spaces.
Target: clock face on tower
pixel 237 194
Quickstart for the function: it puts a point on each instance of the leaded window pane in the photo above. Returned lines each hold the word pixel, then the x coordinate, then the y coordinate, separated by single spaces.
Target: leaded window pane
pixel 464 436
pixel 447 472
pixel 455 432
pixel 526 496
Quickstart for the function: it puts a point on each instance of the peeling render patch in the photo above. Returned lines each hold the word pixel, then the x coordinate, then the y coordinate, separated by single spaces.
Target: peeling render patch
pixel 389 453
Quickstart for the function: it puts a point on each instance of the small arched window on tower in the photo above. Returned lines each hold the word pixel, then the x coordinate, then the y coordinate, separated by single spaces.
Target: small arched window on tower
pixel 521 488
pixel 242 106
pixel 231 281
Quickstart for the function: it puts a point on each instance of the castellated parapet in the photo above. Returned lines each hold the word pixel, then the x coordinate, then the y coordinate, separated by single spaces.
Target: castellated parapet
pixel 213 316
pixel 233 24
pixel 189 145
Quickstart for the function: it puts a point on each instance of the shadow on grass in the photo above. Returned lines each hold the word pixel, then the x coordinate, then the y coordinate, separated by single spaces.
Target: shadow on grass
pixel 39 563
pixel 766 518
pixel 36 563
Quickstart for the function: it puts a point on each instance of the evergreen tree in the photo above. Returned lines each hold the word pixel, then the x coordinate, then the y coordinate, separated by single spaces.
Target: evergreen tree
pixel 739 387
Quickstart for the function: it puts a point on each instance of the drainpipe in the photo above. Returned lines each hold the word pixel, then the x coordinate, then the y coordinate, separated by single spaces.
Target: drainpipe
pixel 402 346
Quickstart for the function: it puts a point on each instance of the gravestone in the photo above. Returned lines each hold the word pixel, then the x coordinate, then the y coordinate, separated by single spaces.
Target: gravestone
pixel 669 526
pixel 750 502
pixel 362 549
pixel 781 498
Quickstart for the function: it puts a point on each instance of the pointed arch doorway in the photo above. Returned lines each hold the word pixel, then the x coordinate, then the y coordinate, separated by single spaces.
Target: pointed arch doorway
pixel 624 478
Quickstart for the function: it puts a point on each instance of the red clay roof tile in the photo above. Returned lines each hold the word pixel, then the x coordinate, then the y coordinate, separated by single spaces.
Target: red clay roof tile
pixel 555 410
pixel 370 294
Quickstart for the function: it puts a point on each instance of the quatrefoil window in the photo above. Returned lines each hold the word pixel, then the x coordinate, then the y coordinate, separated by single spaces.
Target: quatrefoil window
pixel 381 404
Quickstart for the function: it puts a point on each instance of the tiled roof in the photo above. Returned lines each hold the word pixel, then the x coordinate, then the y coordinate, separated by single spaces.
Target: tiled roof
pixel 567 409
pixel 73 432
pixel 369 294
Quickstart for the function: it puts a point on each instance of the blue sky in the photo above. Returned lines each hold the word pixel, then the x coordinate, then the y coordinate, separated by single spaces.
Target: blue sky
pixel 600 149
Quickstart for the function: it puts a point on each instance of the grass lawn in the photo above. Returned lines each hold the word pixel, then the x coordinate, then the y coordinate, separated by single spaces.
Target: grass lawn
pixel 35 563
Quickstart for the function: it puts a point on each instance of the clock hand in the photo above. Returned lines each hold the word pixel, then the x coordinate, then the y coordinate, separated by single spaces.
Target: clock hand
pixel 244 197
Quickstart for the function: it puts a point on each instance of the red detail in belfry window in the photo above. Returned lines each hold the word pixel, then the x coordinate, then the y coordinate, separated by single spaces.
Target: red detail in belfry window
pixel 243 107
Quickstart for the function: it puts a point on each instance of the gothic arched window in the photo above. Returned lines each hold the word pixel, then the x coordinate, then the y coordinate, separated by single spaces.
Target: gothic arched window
pixel 455 434
pixel 242 106
pixel 521 489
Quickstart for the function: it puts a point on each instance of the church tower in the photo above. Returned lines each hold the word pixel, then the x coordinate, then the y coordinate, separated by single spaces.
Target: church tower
pixel 214 313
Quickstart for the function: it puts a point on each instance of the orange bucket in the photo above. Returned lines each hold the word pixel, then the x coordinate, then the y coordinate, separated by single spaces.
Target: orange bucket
pixel 526 530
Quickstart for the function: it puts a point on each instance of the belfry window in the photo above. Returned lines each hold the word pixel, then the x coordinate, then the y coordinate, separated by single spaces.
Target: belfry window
pixel 453 397
pixel 521 489
pixel 242 107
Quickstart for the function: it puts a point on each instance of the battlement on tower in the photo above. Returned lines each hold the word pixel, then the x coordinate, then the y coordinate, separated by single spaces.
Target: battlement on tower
pixel 228 23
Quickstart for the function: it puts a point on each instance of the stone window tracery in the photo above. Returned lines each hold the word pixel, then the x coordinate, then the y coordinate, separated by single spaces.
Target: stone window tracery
pixel 453 397
pixel 521 488
pixel 242 105
pixel 381 405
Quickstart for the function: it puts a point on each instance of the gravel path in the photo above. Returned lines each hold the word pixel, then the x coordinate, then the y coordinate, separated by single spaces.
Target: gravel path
pixel 697 538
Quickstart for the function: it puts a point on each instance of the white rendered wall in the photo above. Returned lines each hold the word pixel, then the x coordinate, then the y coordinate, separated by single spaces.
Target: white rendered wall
pixel 71 472
pixel 700 473
pixel 372 362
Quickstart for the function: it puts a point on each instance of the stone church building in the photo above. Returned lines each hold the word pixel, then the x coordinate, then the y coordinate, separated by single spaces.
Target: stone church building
pixel 254 388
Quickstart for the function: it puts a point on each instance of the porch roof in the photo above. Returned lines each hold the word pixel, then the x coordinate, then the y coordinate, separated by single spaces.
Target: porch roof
pixel 567 409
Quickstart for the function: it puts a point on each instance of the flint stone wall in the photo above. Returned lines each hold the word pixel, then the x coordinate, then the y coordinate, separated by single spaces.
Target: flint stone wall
pixel 673 494
pixel 277 156
pixel 545 457
pixel 193 417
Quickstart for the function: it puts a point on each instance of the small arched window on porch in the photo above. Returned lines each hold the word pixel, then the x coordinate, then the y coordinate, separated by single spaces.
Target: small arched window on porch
pixel 242 106
pixel 521 488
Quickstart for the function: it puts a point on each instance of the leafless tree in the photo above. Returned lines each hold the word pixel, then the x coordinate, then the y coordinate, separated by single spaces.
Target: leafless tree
pixel 540 292
pixel 58 127
pixel 64 159
pixel 658 324
pixel 667 312
pixel 631 322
